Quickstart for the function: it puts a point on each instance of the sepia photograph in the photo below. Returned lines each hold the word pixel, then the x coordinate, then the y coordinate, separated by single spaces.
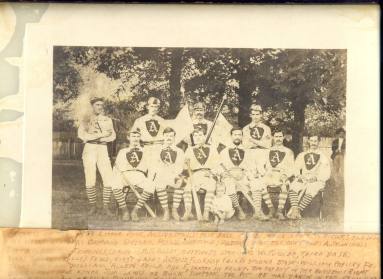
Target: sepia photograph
pixel 198 139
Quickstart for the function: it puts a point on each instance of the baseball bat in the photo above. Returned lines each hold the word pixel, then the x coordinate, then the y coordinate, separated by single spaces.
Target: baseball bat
pixel 195 196
pixel 215 119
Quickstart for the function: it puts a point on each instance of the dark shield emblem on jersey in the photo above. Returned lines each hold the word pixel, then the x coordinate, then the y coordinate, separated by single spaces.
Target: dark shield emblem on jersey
pixel 134 157
pixel 275 157
pixel 201 154
pixel 153 127
pixel 202 126
pixel 256 132
pixel 236 155
pixel 311 160
pixel 168 156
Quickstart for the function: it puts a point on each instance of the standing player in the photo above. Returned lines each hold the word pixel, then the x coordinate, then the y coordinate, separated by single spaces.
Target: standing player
pixel 279 168
pixel 312 170
pixel 151 126
pixel 167 167
pixel 199 121
pixel 241 173
pixel 202 160
pixel 96 131
pixel 131 168
pixel 257 135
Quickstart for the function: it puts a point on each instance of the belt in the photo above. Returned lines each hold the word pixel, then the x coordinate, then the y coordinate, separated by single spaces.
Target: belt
pixel 97 142
pixel 200 169
pixel 258 147
pixel 152 142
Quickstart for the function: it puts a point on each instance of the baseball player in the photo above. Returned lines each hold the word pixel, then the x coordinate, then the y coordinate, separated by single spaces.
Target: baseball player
pixel 131 168
pixel 311 170
pixel 257 135
pixel 203 162
pixel 96 131
pixel 167 168
pixel 242 173
pixel 151 126
pixel 279 168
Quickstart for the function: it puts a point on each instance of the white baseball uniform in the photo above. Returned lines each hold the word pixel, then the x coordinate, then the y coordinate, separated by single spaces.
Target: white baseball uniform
pixel 314 167
pixel 131 168
pixel 279 162
pixel 95 153
pixel 259 132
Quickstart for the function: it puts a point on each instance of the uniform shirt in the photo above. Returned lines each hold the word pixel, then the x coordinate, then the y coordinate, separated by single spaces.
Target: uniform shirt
pixel 202 157
pixel 88 131
pixel 169 160
pixel 236 157
pixel 132 158
pixel 280 159
pixel 260 132
pixel 203 124
pixel 151 127
pixel 313 163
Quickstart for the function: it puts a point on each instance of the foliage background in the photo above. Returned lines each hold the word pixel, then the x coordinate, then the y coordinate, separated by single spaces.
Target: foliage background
pixel 304 90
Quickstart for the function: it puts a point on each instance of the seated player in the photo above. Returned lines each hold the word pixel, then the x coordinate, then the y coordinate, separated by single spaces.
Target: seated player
pixel 312 170
pixel 222 207
pixel 279 168
pixel 131 168
pixel 167 170
pixel 241 173
pixel 202 161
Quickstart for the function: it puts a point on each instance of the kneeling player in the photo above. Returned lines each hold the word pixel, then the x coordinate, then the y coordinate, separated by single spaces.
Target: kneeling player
pixel 312 170
pixel 131 168
pixel 241 174
pixel 279 167
pixel 202 161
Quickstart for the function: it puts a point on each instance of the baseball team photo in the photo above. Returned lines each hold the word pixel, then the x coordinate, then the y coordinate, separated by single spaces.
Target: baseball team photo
pixel 198 139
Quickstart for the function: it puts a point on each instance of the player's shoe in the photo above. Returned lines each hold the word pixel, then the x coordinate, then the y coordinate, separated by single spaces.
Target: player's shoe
pixel 259 215
pixel 125 214
pixel 294 213
pixel 166 215
pixel 92 209
pixel 175 214
pixel 240 214
pixel 187 216
pixel 134 215
pixel 280 215
pixel 107 212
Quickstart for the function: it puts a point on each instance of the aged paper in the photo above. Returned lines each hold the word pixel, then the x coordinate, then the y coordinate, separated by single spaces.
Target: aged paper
pixel 354 28
pixel 101 254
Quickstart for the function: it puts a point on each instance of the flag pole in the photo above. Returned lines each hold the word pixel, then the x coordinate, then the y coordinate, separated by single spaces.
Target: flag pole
pixel 216 118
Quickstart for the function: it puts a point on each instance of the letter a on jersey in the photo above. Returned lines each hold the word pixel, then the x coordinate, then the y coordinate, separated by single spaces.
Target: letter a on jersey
pixel 275 157
pixel 153 127
pixel 257 132
pixel 134 157
pixel 236 155
pixel 168 156
pixel 201 154
pixel 311 160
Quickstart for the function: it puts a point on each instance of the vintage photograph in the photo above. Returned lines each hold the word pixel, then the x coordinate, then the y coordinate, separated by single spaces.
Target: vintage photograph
pixel 198 139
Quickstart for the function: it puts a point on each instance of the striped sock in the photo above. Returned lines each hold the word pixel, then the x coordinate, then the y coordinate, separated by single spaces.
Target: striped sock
pixel 282 200
pixel 234 200
pixel 177 197
pixel 293 197
pixel 106 194
pixel 163 197
pixel 144 197
pixel 257 198
pixel 209 200
pixel 119 196
pixel 267 198
pixel 91 193
pixel 306 200
pixel 188 200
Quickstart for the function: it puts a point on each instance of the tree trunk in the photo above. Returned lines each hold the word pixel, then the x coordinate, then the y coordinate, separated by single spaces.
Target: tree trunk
pixel 245 81
pixel 299 126
pixel 175 96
